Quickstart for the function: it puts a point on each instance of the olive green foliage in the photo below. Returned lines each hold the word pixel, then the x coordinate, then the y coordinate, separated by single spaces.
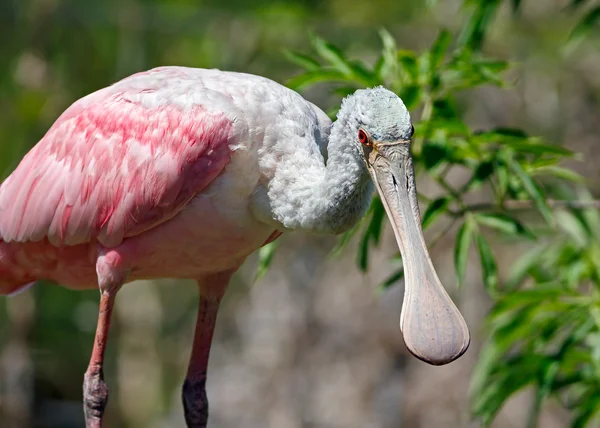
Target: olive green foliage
pixel 544 327
pixel 482 12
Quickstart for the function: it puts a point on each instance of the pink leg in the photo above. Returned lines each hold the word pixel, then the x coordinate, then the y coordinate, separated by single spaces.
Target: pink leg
pixel 195 401
pixel 95 391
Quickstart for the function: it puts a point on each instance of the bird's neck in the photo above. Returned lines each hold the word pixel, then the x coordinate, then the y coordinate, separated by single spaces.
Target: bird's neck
pixel 329 197
pixel 346 190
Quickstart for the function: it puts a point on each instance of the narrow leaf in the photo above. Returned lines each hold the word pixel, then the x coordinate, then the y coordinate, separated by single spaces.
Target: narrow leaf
pixel 372 233
pixel 584 26
pixel 393 278
pixel 464 238
pixel 389 65
pixel 363 75
pixel 306 62
pixel 518 140
pixel 475 29
pixel 533 191
pixel 503 178
pixel 483 171
pixel 265 257
pixel 435 209
pixel 531 147
pixel 559 172
pixel 434 153
pixel 345 240
pixel 488 264
pixel 438 49
pixel 411 95
pixel 589 407
pixel 504 223
pixel 332 55
pixel 408 62
pixel 312 77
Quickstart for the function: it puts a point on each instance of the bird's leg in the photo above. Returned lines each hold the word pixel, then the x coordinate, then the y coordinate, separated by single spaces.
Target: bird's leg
pixel 195 401
pixel 95 391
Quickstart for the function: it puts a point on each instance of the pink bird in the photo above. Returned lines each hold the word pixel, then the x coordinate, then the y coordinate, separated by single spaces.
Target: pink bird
pixel 182 173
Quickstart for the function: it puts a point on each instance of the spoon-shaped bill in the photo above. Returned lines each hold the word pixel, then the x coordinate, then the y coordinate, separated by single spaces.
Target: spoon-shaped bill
pixel 434 330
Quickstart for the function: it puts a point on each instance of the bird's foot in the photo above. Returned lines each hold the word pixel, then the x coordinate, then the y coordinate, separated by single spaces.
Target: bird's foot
pixel 95 398
pixel 195 402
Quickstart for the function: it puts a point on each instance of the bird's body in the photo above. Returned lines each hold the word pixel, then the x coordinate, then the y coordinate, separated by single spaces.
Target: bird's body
pixel 113 171
pixel 182 173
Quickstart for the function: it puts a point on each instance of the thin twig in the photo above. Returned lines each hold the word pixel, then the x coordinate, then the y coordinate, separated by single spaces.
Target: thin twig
pixel 442 233
pixel 514 204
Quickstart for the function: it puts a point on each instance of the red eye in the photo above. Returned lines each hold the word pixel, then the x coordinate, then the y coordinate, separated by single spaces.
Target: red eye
pixel 362 137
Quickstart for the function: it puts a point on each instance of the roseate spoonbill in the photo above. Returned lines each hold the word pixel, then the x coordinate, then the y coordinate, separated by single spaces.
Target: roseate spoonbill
pixel 182 173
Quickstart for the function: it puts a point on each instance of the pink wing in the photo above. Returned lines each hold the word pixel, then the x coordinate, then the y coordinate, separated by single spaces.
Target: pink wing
pixel 110 168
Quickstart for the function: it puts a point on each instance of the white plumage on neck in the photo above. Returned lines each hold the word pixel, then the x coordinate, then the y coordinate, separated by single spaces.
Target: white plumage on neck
pixel 322 194
pixel 315 177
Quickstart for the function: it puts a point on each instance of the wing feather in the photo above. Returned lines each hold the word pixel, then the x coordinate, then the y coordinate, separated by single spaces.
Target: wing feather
pixel 110 168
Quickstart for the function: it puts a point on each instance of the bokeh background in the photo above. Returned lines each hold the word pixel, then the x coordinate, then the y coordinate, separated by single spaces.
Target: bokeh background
pixel 315 343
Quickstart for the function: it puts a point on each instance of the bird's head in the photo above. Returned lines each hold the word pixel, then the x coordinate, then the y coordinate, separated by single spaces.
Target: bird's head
pixel 381 128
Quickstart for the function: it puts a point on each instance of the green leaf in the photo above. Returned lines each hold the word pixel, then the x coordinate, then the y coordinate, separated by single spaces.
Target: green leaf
pixel 532 190
pixel 483 171
pixel 332 55
pixel 588 408
pixel 515 299
pixel 411 95
pixel 435 209
pixel 504 223
pixel 345 240
pixel 474 30
pixel 508 132
pixel 503 178
pixel 509 377
pixel 444 109
pixel 265 257
pixel 585 26
pixel 389 64
pixel 531 147
pixel 434 153
pixel 343 91
pixel 452 126
pixel 591 216
pixel 409 66
pixel 465 75
pixel 393 278
pixel 363 75
pixel 559 172
pixel 572 225
pixel 438 49
pixel 519 141
pixel 312 77
pixel 306 62
pixel 372 233
pixel 464 238
pixel 488 264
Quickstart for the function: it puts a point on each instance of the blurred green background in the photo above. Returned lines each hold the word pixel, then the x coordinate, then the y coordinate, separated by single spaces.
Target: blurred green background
pixel 313 343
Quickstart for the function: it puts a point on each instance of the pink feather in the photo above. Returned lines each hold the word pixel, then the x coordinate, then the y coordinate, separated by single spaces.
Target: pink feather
pixel 110 167
pixel 112 170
